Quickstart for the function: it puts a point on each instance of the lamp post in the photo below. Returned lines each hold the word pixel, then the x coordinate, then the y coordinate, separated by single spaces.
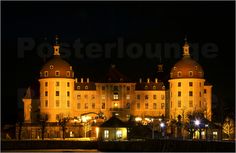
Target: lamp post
pixel 197 123
pixel 162 125
pixel 206 126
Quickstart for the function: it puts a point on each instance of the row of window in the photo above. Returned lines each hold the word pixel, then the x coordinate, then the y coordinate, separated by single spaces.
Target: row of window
pixel 190 84
pixel 190 94
pixel 190 104
pixel 57 73
pixel 57 93
pixel 146 106
pixel 58 84
pixel 179 74
pixel 46 104
pixel 115 88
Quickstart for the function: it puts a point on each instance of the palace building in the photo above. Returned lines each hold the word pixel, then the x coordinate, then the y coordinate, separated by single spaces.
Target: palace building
pixel 62 94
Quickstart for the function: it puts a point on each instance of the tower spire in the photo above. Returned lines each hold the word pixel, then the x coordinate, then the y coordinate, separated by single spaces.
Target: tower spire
pixel 56 46
pixel 186 47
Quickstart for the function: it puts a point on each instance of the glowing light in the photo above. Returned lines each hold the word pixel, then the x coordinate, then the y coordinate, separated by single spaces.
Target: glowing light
pixel 97 132
pixel 138 119
pixel 197 122
pixel 162 125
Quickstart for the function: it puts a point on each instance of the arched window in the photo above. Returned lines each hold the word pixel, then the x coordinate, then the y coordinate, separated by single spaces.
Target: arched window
pixel 190 73
pixel 179 74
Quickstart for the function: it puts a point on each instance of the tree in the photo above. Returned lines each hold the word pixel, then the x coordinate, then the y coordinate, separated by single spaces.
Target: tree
pixel 43 121
pixel 63 123
pixel 228 127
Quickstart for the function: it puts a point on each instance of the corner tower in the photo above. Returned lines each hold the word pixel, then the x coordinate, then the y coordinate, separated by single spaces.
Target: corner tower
pixel 56 86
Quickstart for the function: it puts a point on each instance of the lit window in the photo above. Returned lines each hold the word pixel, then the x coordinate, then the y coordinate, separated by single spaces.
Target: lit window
pixel 68 94
pixel 86 87
pixel 179 84
pixel 93 105
pixel 46 73
pixel 86 105
pixel 154 105
pixel 138 96
pixel 70 67
pixel 68 103
pixel 162 105
pixel 68 84
pixel 146 96
pixel 190 103
pixel 146 87
pixel 106 134
pixel 179 74
pixel 57 93
pixel 119 134
pixel 115 96
pixel 162 97
pixel 103 106
pixel 46 93
pixel 179 93
pixel 46 103
pixel 127 96
pixel 138 105
pixel 174 68
pixel 190 84
pixel 78 105
pixel 179 103
pixel 154 96
pixel 78 96
pixel 190 73
pixel 57 103
pixel 205 91
pixel 57 73
pixel 146 105
pixel 46 84
pixel 190 93
pixel 68 73
pixel 51 67
pixel 57 83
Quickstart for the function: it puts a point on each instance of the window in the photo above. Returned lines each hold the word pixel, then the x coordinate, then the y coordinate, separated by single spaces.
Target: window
pixel 174 68
pixel 190 93
pixel 146 87
pixel 179 93
pixel 138 96
pixel 154 87
pixel 179 103
pixel 106 134
pixel 103 106
pixel 195 67
pixel 93 105
pixel 68 73
pixel 127 96
pixel 46 103
pixel 205 91
pixel 68 94
pixel 138 105
pixel 46 93
pixel 86 96
pixel 146 96
pixel 57 83
pixel 68 84
pixel 46 84
pixel 86 106
pixel 57 103
pixel 200 84
pixel 128 88
pixel 200 94
pixel 78 105
pixel 57 93
pixel 92 97
pixel 154 105
pixel 103 87
pixel 57 73
pixel 179 74
pixel 190 84
pixel 68 103
pixel 86 87
pixel 146 105
pixel 119 134
pixel 179 84
pixel 78 96
pixel 128 105
pixel 46 73
pixel 78 87
pixel 190 103
pixel 115 96
pixel 162 105
pixel 51 67
pixel 162 97
pixel 200 104
pixel 190 73
pixel 115 88
pixel 154 96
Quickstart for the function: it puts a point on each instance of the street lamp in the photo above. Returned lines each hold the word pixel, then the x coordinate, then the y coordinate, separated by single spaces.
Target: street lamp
pixel 162 125
pixel 197 122
pixel 206 126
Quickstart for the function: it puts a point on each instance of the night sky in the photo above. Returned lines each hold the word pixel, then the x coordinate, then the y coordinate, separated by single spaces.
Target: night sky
pixel 105 22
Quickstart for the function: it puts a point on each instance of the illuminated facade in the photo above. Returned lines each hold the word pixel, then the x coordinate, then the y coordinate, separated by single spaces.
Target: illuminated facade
pixel 61 94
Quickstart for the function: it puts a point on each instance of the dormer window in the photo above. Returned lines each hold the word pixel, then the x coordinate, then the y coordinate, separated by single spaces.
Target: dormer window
pixel 51 67
pixel 146 87
pixel 57 73
pixel 68 73
pixel 190 73
pixel 70 67
pixel 179 74
pixel 174 68
pixel 86 87
pixel 195 67
pixel 78 87
pixel 46 73
pixel 154 87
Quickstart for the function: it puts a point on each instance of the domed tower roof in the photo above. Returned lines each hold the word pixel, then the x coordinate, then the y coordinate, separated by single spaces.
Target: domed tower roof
pixel 56 67
pixel 186 67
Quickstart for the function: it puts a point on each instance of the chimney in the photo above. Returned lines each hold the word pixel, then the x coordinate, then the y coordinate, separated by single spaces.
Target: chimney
pixel 148 80
pixel 82 80
pixel 156 80
pixel 87 80
pixel 76 80
pixel 140 80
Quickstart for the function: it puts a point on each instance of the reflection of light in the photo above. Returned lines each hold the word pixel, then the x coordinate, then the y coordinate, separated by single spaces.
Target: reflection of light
pixel 197 122
pixel 162 125
pixel 138 119
pixel 85 118
pixel 159 119
pixel 206 125
pixel 116 114
pixel 97 131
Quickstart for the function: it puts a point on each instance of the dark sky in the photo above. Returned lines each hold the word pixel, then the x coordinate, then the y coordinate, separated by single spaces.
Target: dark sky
pixel 105 22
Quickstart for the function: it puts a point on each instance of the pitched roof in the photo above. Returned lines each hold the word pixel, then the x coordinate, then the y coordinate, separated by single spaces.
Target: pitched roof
pixel 113 122
pixel 114 75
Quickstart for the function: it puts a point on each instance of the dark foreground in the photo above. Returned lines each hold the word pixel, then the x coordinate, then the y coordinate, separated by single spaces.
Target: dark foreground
pixel 136 146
